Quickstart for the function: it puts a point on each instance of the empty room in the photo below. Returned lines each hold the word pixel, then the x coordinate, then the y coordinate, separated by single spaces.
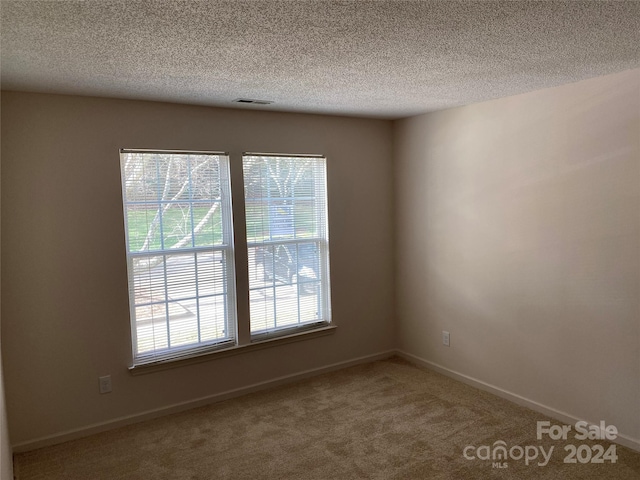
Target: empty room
pixel 319 239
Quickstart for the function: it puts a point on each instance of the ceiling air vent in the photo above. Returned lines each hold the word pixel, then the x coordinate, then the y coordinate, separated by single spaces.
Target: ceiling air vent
pixel 252 101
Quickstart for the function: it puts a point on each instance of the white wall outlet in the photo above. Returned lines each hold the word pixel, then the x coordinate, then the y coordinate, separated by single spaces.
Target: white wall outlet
pixel 445 338
pixel 105 384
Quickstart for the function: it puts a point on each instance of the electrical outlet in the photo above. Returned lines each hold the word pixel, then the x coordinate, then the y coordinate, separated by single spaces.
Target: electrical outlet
pixel 105 384
pixel 445 338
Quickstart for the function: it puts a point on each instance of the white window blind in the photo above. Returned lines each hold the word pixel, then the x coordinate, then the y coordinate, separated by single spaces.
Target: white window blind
pixel 177 208
pixel 287 239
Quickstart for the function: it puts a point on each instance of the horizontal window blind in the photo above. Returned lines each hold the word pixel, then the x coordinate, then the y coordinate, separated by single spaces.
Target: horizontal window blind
pixel 177 208
pixel 287 239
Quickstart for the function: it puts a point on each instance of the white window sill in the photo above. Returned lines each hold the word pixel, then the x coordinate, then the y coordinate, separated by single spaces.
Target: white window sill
pixel 227 352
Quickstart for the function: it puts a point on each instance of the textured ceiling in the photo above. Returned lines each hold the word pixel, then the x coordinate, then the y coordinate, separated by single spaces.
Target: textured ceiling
pixel 385 59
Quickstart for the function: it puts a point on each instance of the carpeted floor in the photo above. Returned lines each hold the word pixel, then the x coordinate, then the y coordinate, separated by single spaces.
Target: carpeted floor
pixel 383 420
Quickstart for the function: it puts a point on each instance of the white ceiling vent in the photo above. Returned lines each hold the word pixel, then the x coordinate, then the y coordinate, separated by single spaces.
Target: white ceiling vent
pixel 252 101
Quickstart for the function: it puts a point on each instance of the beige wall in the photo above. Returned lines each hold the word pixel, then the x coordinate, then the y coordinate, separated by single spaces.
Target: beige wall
pixel 6 460
pixel 518 230
pixel 65 305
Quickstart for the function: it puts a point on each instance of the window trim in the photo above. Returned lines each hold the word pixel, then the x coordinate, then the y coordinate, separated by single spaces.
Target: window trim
pixel 244 341
pixel 298 336
pixel 227 250
pixel 323 243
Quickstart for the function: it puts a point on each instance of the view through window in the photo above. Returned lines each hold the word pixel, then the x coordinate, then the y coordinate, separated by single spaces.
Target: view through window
pixel 286 215
pixel 180 256
pixel 179 251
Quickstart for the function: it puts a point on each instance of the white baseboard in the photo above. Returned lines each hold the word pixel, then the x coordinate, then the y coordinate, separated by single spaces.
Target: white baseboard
pixel 65 436
pixel 199 402
pixel 564 417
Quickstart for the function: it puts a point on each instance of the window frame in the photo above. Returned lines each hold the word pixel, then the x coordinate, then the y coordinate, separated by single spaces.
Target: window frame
pixel 227 252
pixel 239 295
pixel 322 217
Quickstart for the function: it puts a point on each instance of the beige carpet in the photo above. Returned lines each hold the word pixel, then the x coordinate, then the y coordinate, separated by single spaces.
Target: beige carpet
pixel 384 420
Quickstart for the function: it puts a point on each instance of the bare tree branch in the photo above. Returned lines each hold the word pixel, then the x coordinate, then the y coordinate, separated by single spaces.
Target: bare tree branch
pixel 156 219
pixel 161 211
pixel 187 238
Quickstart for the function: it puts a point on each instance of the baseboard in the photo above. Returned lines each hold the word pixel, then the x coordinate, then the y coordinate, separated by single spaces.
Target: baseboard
pixel 199 402
pixel 563 417
pixel 65 436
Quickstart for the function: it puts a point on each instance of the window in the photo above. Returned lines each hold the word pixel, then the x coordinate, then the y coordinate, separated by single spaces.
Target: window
pixel 181 260
pixel 287 239
pixel 177 209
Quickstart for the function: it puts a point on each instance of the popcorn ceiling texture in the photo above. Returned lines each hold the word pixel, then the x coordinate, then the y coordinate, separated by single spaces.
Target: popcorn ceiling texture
pixel 386 59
